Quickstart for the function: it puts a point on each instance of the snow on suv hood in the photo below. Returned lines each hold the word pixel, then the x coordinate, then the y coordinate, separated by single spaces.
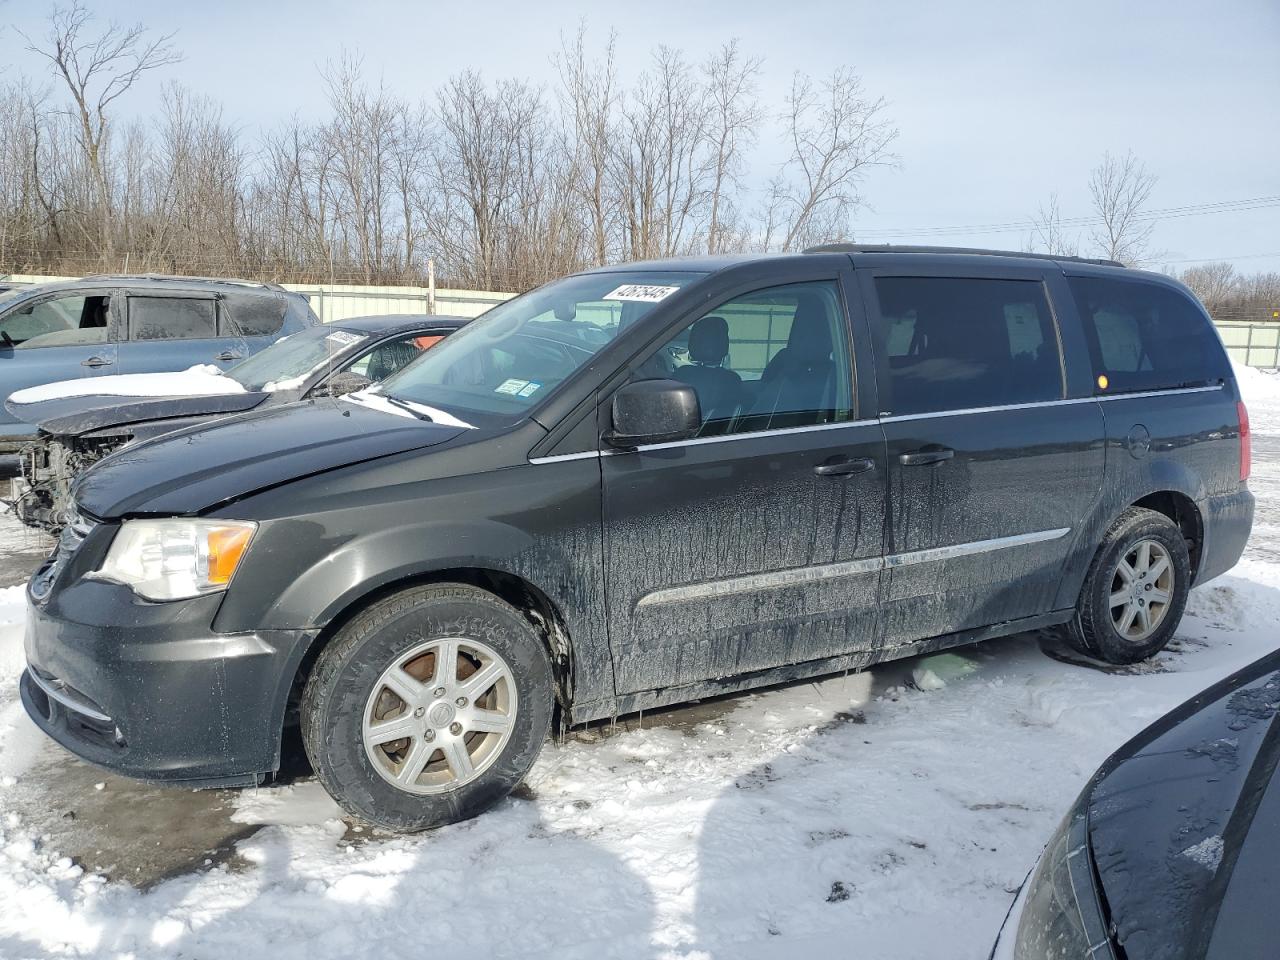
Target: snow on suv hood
pixel 198 381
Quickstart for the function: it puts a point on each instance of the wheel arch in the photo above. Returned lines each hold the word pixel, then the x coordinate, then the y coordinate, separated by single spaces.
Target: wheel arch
pixel 1182 510
pixel 532 602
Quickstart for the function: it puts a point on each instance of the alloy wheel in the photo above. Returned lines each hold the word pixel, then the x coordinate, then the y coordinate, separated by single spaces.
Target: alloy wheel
pixel 440 715
pixel 1141 590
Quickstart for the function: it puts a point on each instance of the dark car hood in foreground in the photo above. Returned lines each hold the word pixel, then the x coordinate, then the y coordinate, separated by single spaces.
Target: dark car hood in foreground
pixel 73 416
pixel 1184 826
pixel 193 469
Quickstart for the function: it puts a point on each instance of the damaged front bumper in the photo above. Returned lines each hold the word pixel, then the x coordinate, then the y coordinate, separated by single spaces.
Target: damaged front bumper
pixel 151 691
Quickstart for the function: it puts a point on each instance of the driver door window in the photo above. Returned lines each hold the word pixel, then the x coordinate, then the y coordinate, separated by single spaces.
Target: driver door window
pixel 769 360
pixel 392 356
pixel 59 322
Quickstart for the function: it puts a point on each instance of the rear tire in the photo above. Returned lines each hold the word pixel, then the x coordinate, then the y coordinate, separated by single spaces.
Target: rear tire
pixel 1135 592
pixel 428 707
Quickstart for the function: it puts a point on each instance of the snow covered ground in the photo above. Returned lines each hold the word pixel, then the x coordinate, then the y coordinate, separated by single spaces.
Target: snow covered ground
pixel 883 815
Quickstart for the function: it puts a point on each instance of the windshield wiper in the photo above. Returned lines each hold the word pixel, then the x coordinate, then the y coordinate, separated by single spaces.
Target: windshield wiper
pixel 404 405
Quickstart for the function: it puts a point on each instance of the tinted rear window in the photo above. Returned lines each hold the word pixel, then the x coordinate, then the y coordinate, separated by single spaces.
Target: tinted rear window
pixel 1144 336
pixel 253 315
pixel 959 343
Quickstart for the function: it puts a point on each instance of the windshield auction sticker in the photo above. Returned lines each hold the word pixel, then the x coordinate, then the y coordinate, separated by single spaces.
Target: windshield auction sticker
pixel 512 387
pixel 343 338
pixel 640 293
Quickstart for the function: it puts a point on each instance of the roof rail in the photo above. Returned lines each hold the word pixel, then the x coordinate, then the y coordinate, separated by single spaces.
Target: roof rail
pixel 894 248
pixel 265 284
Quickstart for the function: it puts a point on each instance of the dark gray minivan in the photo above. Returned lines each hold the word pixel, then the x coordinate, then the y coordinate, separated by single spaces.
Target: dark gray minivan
pixel 637 486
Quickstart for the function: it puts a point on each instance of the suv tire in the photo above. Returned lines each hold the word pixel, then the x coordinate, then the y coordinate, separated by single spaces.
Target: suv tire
pixel 461 674
pixel 1135 592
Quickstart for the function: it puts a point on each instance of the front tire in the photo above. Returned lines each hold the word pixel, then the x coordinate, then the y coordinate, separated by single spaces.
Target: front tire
pixel 1135 592
pixel 428 707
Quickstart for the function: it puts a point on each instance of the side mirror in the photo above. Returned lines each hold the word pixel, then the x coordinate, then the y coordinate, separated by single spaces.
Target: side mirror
pixel 347 381
pixel 654 411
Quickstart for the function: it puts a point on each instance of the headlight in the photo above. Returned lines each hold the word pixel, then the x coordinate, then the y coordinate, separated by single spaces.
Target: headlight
pixel 1062 916
pixel 176 559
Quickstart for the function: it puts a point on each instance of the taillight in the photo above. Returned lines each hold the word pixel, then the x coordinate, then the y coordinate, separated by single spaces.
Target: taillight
pixel 1246 444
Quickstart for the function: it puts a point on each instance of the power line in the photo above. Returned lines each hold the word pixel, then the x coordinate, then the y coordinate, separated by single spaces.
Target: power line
pixel 1018 226
pixel 1243 256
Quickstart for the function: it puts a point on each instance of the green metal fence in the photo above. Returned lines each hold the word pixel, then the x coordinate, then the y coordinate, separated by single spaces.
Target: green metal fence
pixel 1255 343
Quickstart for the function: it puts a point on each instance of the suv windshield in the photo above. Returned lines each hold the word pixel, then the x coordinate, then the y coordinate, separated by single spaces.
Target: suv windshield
pixel 291 359
pixel 517 353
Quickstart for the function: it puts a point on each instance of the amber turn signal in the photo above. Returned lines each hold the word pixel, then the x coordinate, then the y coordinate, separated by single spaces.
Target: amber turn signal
pixel 226 546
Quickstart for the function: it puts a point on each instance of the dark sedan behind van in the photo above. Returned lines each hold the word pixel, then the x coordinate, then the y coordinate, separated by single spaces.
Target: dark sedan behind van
pixel 79 426
pixel 1172 852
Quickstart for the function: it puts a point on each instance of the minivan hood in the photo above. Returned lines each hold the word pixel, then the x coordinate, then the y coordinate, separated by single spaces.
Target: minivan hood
pixel 192 470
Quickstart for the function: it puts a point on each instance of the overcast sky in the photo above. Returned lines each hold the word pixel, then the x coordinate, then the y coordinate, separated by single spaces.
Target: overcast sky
pixel 998 103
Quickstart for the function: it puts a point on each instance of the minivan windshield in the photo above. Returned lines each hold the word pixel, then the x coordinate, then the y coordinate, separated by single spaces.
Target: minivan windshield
pixel 517 353
pixel 289 360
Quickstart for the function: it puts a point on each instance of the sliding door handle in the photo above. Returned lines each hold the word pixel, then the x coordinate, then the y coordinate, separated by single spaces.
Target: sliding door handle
pixel 925 456
pixel 95 362
pixel 844 468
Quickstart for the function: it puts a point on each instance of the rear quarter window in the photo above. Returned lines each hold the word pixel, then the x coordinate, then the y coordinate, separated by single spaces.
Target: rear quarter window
pixel 252 315
pixel 1145 336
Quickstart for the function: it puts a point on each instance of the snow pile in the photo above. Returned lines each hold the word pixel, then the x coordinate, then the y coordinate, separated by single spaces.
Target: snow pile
pixel 199 381
pixel 1260 390
pixel 796 820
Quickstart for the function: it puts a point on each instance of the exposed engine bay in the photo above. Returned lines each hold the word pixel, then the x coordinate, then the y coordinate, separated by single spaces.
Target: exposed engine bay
pixel 47 467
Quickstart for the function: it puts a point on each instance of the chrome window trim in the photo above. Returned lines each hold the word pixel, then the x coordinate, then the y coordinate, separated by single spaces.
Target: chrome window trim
pixel 794 576
pixel 1164 392
pixel 891 418
pixel 966 411
pixel 566 457
pixel 753 435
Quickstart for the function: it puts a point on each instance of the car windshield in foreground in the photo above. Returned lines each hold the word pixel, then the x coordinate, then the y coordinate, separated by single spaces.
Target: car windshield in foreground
pixel 519 352
pixel 290 360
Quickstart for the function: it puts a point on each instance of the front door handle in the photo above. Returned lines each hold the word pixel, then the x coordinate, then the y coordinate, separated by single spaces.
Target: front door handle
pixel 844 467
pixel 96 362
pixel 925 455
pixel 226 356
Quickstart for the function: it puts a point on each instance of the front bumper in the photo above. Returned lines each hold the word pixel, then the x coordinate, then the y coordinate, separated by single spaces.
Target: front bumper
pixel 151 691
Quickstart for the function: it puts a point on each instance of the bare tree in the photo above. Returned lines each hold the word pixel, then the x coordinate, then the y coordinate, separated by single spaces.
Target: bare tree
pixel 660 167
pixel 1049 234
pixel 589 98
pixel 1120 187
pixel 836 133
pixel 1214 283
pixel 734 116
pixel 98 70
pixel 503 184
pixel 1229 295
pixel 501 188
